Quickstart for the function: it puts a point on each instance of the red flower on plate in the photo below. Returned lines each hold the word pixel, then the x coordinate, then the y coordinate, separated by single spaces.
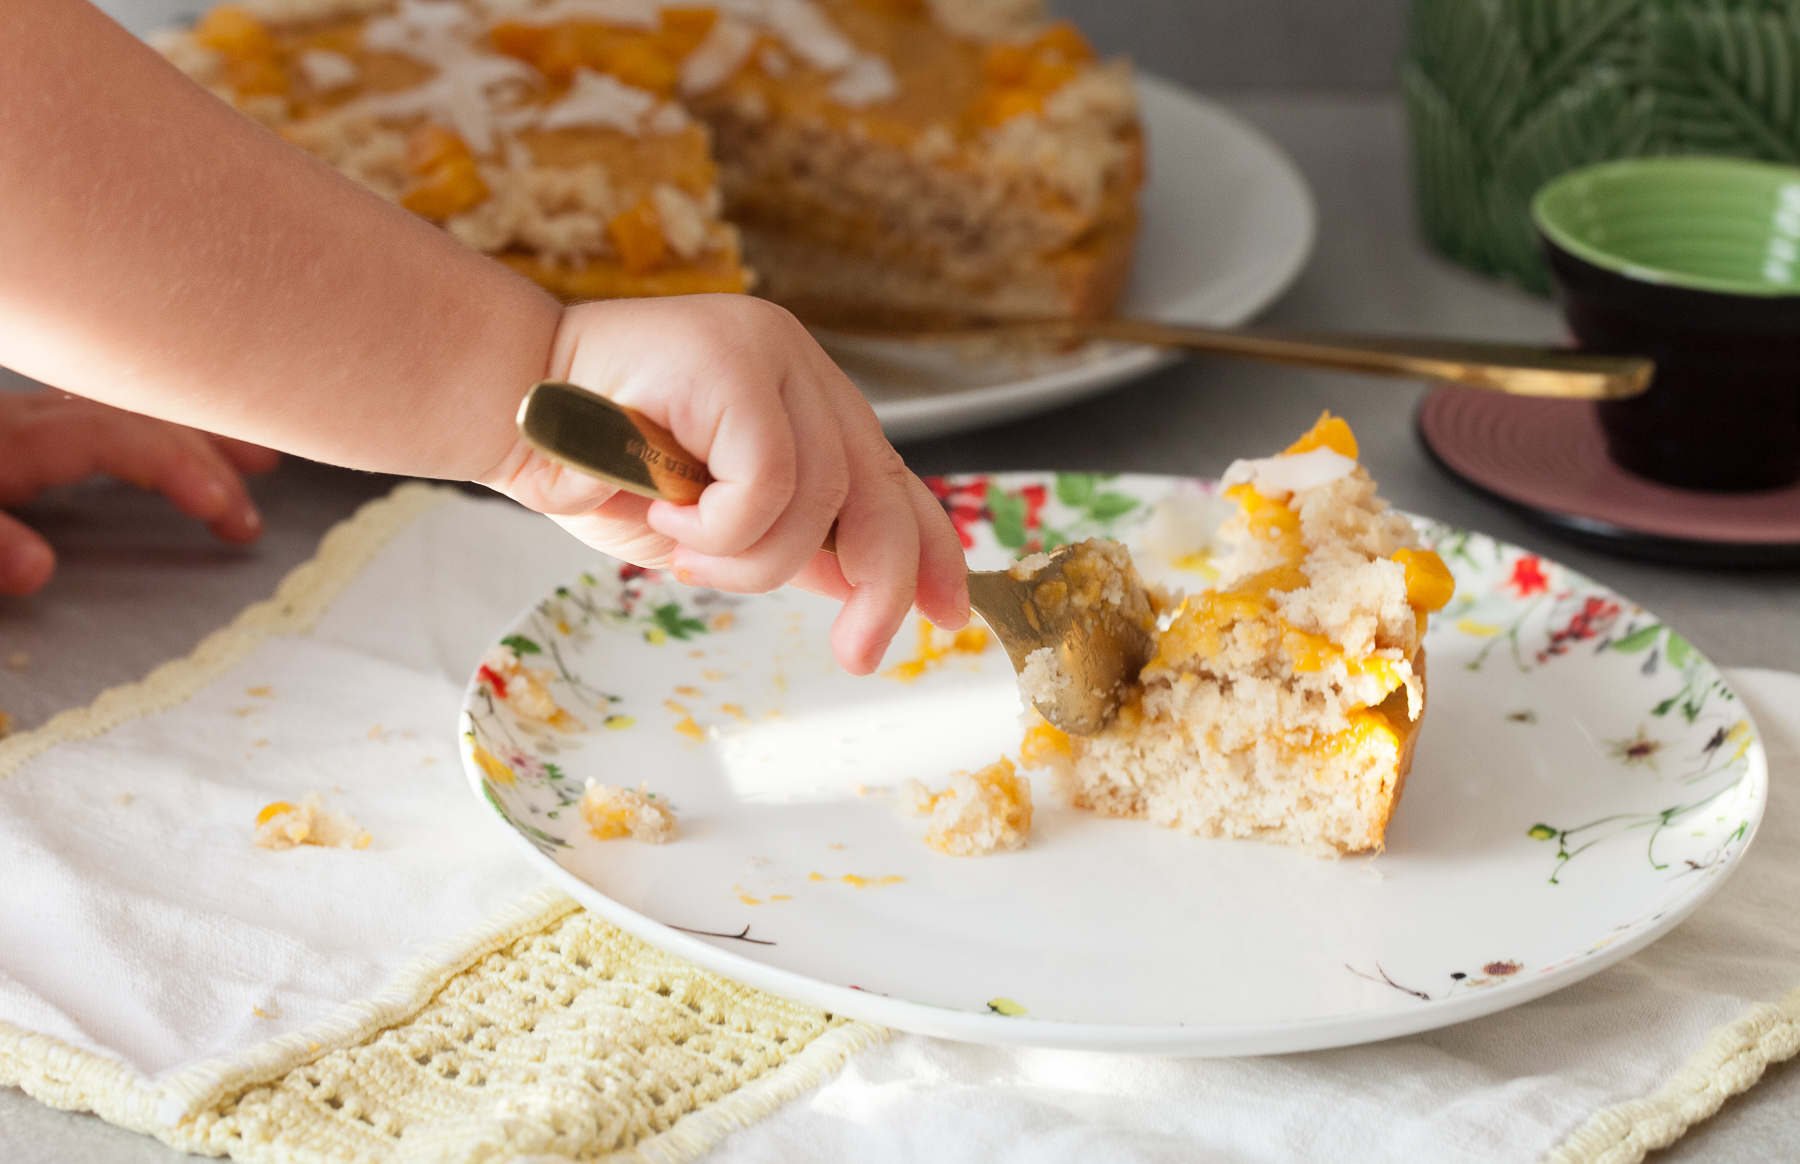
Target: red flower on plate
pixel 965 502
pixel 1528 576
pixel 1592 619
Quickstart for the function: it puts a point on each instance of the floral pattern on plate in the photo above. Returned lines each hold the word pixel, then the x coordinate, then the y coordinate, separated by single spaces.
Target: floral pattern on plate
pixel 1584 780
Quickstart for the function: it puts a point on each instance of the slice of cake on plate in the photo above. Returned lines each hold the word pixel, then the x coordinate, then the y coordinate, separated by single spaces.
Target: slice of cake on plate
pixel 887 160
pixel 1283 704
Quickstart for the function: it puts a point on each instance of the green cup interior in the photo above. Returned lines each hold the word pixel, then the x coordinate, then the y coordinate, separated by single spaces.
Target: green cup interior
pixel 1712 224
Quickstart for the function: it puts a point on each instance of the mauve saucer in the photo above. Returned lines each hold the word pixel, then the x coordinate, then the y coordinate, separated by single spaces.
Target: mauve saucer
pixel 1547 458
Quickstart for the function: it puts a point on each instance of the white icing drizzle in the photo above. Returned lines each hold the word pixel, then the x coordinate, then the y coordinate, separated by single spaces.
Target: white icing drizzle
pixel 727 46
pixel 1277 477
pixel 645 14
pixel 326 71
pixel 599 99
pixel 868 79
pixel 472 90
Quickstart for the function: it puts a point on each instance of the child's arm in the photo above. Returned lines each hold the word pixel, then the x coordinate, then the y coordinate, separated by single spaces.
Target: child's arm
pixel 50 438
pixel 162 253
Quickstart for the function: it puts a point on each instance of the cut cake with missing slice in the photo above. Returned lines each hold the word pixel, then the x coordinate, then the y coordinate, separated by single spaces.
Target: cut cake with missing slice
pixel 1285 703
pixel 877 161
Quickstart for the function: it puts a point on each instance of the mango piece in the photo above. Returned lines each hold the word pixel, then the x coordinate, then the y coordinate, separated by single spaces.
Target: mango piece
pixel 1328 432
pixel 231 30
pixel 1006 65
pixel 431 146
pixel 1043 744
pixel 1429 583
pixel 1064 39
pixel 256 76
pixel 637 235
pixel 683 29
pixel 446 191
pixel 524 41
pixel 638 62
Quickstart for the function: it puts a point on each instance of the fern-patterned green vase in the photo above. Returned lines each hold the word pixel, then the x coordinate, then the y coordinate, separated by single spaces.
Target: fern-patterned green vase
pixel 1504 95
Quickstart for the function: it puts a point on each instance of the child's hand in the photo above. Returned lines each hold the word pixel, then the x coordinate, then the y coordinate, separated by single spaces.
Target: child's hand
pixel 792 446
pixel 49 438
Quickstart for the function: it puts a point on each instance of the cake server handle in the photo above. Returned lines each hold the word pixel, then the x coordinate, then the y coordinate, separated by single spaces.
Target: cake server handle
pixel 1516 369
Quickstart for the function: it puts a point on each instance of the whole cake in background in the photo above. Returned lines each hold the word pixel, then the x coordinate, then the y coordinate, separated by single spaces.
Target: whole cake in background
pixel 1284 703
pixel 871 161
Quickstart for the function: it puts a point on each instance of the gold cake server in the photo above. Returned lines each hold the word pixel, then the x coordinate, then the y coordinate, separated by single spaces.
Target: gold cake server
pixel 1516 369
pixel 1100 651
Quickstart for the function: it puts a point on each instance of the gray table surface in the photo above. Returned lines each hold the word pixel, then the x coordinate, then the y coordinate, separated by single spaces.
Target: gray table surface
pixel 139 584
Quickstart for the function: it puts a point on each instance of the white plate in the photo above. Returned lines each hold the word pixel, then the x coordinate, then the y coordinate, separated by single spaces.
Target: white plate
pixel 1584 780
pixel 1227 225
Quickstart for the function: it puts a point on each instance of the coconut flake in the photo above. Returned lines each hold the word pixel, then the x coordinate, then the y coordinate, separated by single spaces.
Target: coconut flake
pixel 1293 473
pixel 600 99
pixel 643 14
pixel 326 71
pixel 727 46
pixel 868 79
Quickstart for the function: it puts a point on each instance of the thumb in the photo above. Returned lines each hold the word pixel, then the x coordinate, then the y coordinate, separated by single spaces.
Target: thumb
pixel 26 559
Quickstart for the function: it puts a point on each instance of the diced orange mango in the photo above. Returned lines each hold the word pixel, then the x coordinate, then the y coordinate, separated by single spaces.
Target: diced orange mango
pixel 1429 583
pixel 638 62
pixel 231 30
pixel 1328 432
pixel 256 76
pixel 684 28
pixel 1065 39
pixel 1269 517
pixel 637 235
pixel 431 146
pixel 1006 64
pixel 524 41
pixel 448 190
pixel 896 7
pixel 1044 743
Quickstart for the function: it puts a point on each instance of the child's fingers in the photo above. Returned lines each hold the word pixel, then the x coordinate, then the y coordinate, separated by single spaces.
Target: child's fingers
pixel 821 482
pixel 877 544
pixel 248 459
pixel 26 560
pixel 943 571
pixel 617 527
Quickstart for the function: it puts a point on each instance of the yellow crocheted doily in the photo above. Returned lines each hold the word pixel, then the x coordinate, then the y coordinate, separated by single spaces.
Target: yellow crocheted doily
pixel 576 1041
pixel 544 1032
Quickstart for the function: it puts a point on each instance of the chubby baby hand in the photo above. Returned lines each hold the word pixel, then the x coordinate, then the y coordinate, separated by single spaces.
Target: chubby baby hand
pixel 50 438
pixel 792 447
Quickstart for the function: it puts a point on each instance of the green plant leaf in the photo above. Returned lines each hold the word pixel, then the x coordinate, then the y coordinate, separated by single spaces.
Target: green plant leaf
pixel 1541 832
pixel 1009 517
pixel 1107 506
pixel 1638 640
pixel 1073 489
pixel 522 645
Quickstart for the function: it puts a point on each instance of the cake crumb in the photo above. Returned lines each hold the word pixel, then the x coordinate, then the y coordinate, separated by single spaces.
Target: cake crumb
pixel 285 826
pixel 984 812
pixel 935 646
pixel 18 660
pixel 6 722
pixel 613 812
pixel 123 799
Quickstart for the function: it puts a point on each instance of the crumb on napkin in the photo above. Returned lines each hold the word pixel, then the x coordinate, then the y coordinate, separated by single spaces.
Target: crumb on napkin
pixel 283 826
pixel 983 812
pixel 627 812
pixel 18 660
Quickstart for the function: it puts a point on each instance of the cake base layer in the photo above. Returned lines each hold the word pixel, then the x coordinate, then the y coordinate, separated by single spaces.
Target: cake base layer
pixel 1334 797
pixel 826 285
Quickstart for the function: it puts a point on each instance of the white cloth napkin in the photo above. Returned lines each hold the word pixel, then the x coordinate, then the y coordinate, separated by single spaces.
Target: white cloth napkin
pixel 139 924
